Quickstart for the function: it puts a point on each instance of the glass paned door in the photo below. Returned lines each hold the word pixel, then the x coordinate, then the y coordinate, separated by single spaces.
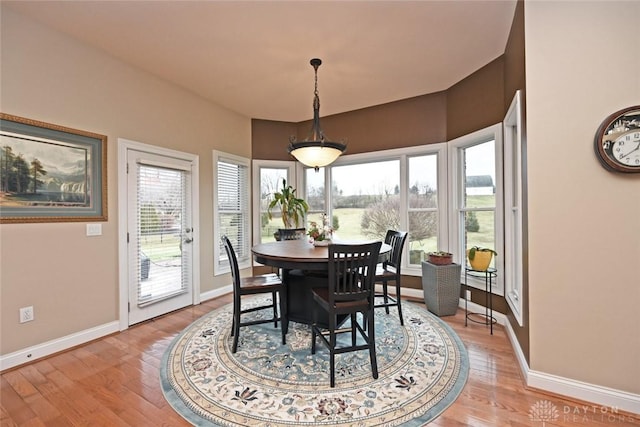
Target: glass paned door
pixel 160 235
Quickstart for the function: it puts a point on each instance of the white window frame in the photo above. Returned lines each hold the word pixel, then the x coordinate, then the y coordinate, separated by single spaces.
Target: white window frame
pixel 290 166
pixel 219 266
pixel 456 189
pixel 401 154
pixel 513 208
pixel 302 173
pixel 443 197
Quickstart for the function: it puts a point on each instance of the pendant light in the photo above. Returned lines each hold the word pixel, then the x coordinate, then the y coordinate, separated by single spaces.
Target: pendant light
pixel 316 151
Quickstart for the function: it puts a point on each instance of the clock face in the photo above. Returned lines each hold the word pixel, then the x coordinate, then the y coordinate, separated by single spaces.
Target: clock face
pixel 626 149
pixel 617 141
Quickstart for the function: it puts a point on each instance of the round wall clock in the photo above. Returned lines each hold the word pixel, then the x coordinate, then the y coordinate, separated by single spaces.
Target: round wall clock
pixel 617 141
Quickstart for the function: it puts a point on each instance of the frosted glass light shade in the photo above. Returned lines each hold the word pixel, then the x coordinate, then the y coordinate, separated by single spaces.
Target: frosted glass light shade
pixel 316 156
pixel 315 151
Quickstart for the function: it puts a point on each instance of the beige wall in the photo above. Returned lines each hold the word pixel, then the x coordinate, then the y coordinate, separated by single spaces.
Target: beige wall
pixel 70 279
pixel 582 64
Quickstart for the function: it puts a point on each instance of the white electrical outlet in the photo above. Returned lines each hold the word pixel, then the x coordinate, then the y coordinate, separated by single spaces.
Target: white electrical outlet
pixel 468 294
pixel 26 314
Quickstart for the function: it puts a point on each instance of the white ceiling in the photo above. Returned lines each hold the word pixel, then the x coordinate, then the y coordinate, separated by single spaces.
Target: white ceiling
pixel 253 56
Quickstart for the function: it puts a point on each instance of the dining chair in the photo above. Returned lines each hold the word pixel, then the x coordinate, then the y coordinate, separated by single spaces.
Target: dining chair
pixel 266 283
pixel 389 271
pixel 291 233
pixel 349 292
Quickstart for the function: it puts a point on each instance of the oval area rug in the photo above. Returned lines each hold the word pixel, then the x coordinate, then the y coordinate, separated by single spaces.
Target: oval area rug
pixel 422 366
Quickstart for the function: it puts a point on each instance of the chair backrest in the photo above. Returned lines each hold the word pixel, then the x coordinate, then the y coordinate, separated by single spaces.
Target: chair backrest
pixel 352 270
pixel 233 263
pixel 291 233
pixel 396 240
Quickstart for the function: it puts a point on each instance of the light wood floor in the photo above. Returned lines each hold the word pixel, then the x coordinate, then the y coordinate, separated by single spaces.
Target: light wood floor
pixel 114 381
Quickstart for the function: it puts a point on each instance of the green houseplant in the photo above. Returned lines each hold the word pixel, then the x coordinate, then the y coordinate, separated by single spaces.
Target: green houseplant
pixel 292 208
pixel 480 258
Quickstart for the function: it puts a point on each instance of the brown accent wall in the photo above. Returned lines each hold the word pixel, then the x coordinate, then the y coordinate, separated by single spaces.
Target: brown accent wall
pixel 514 60
pixel 477 101
pixel 269 139
pixel 414 121
pixel 473 103
pixel 478 296
pixel 406 123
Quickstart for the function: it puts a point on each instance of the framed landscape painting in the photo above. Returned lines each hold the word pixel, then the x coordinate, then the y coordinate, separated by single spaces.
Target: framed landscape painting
pixel 50 173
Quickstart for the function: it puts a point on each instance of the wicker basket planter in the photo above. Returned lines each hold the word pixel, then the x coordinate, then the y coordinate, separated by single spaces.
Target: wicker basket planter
pixel 441 285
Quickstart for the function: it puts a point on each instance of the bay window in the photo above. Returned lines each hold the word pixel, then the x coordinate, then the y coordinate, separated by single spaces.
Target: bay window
pixel 513 208
pixel 367 194
pixel 475 175
pixel 267 179
pixel 448 196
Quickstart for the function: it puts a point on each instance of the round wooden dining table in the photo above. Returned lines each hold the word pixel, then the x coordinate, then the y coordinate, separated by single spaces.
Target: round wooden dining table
pixel 304 267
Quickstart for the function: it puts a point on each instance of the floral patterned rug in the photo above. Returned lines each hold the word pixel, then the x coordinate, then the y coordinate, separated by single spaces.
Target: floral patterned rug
pixel 423 367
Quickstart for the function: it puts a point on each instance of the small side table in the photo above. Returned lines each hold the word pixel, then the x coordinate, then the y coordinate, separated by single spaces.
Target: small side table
pixel 486 318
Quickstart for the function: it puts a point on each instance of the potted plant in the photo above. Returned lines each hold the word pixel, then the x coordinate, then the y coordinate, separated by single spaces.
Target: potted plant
pixel 480 258
pixel 321 235
pixel 440 258
pixel 291 207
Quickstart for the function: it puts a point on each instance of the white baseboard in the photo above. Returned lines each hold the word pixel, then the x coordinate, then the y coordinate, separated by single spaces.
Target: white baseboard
pixel 54 346
pixel 604 400
pixel 515 344
pixel 407 292
pixel 216 293
pixel 48 348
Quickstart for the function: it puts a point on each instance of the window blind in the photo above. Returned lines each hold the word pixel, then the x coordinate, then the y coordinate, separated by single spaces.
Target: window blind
pixel 233 207
pixel 161 210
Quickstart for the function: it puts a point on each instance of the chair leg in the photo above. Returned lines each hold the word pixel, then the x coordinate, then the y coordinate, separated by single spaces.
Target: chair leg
pixel 314 325
pixel 283 321
pixel 353 329
pixel 386 296
pixel 399 302
pixel 332 362
pixel 332 349
pixel 372 348
pixel 275 309
pixel 365 321
pixel 236 326
pixel 284 313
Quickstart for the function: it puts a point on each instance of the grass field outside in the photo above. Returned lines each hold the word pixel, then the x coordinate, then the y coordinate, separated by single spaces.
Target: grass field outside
pixel 161 247
pixel 350 228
